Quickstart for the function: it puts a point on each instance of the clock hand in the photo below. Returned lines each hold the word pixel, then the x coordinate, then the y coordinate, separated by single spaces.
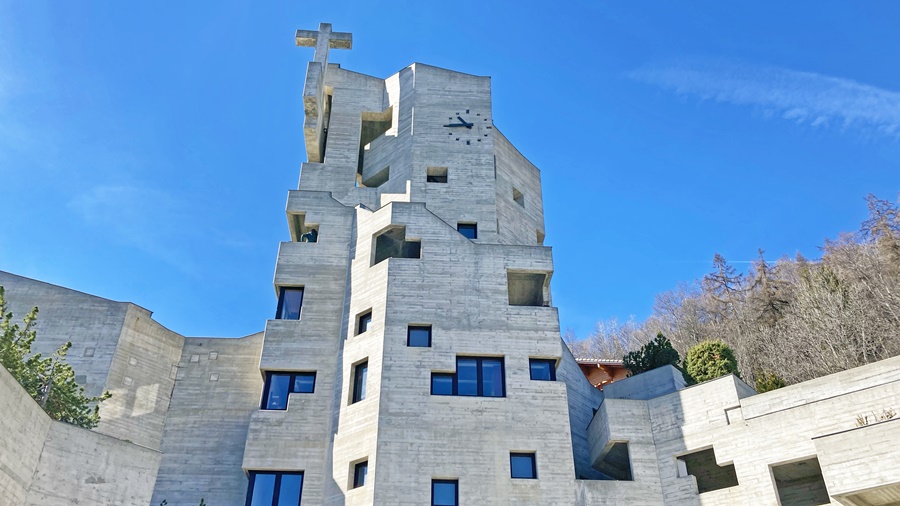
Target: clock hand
pixel 464 123
pixel 456 125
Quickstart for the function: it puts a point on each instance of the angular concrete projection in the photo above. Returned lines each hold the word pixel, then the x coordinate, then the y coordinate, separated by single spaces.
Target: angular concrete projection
pixel 710 476
pixel 392 243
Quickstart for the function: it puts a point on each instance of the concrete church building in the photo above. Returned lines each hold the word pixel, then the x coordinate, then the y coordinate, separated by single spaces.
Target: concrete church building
pixel 415 356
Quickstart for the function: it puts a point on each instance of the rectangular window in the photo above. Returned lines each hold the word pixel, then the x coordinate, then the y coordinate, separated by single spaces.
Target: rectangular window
pixel 444 492
pixel 274 488
pixel 542 369
pixel 280 384
pixel 436 175
pixel 474 377
pixel 359 474
pixel 289 301
pixel 518 197
pixel 418 336
pixel 359 381
pixel 469 230
pixel 523 466
pixel 363 322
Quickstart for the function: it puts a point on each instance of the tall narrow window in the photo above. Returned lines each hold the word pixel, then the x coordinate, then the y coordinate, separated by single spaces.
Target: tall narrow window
pixel 523 466
pixel 542 369
pixel 289 301
pixel 444 492
pixel 469 230
pixel 418 336
pixel 363 322
pixel 274 488
pixel 360 471
pixel 280 384
pixel 359 381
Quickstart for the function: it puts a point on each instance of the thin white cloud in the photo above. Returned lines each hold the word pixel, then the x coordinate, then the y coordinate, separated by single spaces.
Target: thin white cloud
pixel 805 98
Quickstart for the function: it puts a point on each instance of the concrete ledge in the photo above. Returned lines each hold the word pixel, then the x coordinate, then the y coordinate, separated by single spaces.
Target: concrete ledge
pixel 648 385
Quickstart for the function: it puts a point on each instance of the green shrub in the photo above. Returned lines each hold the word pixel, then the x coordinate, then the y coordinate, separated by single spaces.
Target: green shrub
pixel 657 353
pixel 710 360
pixel 768 381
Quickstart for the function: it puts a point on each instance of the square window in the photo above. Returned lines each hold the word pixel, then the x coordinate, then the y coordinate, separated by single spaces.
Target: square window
pixel 304 383
pixel 469 230
pixel 359 474
pixel 363 322
pixel 441 383
pixel 522 466
pixel 444 492
pixel 436 175
pixel 279 488
pixel 542 369
pixel 289 302
pixel 418 336
pixel 359 381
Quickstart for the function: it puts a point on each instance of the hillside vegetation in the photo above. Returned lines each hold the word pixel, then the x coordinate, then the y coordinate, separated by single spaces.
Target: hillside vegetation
pixel 795 318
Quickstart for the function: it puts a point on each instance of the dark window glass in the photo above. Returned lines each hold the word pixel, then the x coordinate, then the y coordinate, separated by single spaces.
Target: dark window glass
pixel 441 383
pixel 444 492
pixel 359 474
pixel 474 376
pixel 364 321
pixel 304 383
pixel 522 465
pixel 359 381
pixel 466 376
pixel 289 302
pixel 543 369
pixel 418 336
pixel 492 377
pixel 278 388
pixel 470 230
pixel 280 384
pixel 274 489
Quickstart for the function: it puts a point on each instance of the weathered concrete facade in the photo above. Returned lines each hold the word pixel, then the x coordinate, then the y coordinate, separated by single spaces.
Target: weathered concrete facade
pixel 414 212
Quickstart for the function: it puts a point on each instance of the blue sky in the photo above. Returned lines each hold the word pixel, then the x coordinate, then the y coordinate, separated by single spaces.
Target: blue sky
pixel 146 149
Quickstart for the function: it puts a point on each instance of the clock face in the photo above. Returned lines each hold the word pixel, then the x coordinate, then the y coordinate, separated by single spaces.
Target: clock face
pixel 467 126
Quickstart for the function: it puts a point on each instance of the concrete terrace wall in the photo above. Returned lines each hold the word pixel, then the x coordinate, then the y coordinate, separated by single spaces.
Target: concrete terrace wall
pixel 116 346
pixel 78 466
pixel 23 429
pixel 44 462
pixel 92 324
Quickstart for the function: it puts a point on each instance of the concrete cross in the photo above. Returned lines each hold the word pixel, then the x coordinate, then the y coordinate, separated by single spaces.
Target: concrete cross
pixel 323 40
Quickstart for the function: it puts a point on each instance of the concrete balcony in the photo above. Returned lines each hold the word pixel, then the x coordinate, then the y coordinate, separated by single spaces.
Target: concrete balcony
pixel 855 465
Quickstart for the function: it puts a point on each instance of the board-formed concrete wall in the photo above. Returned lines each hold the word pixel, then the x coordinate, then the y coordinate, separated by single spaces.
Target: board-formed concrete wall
pixel 218 387
pixel 45 462
pixel 116 347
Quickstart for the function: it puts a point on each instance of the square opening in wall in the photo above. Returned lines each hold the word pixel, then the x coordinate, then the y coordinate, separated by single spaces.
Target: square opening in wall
pixel 436 175
pixel 615 461
pixel 800 483
pixel 527 288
